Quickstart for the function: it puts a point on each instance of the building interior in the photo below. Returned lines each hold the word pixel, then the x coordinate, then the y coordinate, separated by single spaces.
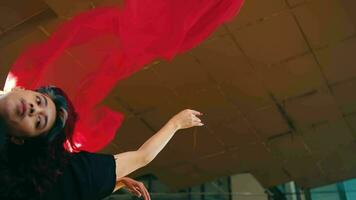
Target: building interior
pixel 276 85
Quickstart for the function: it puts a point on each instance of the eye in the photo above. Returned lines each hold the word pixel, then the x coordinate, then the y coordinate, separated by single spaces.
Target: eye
pixel 38 100
pixel 38 121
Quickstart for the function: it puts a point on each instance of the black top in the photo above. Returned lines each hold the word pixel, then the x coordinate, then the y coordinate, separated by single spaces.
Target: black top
pixel 88 176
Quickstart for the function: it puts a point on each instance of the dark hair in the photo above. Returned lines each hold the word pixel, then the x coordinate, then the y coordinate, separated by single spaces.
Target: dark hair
pixel 27 171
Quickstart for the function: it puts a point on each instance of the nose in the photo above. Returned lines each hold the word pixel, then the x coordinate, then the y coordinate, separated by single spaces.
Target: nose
pixel 34 109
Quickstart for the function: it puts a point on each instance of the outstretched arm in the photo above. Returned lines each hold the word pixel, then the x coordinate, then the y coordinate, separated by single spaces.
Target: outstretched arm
pixel 130 161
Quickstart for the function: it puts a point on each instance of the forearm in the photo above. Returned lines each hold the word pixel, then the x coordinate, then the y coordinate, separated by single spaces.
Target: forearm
pixel 130 161
pixel 158 141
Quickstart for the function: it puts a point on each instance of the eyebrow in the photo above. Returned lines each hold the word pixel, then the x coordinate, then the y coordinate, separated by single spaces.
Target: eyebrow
pixel 46 121
pixel 45 99
pixel 46 117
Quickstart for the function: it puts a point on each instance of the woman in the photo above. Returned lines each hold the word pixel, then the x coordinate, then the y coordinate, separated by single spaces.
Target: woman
pixel 35 165
pixel 94 50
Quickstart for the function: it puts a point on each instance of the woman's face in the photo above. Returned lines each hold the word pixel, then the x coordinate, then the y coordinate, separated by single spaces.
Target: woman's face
pixel 27 113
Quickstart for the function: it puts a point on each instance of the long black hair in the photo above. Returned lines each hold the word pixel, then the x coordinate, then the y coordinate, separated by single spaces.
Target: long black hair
pixel 27 171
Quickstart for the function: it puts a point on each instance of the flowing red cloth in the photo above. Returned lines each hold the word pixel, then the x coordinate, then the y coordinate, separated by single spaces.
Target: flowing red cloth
pixel 90 53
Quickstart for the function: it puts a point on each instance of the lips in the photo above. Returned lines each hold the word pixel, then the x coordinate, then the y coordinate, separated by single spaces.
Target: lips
pixel 22 108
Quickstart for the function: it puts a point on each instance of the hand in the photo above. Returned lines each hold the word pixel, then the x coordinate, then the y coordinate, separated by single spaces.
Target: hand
pixel 135 187
pixel 186 119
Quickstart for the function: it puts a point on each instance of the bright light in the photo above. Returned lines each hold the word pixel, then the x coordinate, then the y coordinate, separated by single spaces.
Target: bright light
pixel 11 81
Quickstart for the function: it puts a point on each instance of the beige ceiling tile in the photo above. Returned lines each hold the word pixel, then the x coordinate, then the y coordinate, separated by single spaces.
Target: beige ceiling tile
pixel 204 142
pixel 27 28
pixel 164 160
pixel 252 157
pixel 210 102
pixel 181 73
pixel 246 92
pixel 234 132
pixel 256 156
pixel 132 134
pixel 296 2
pixel 346 156
pixel 221 58
pixel 214 164
pixel 273 40
pixel 268 121
pixel 345 97
pixel 218 32
pixel 347 153
pixel 99 3
pixel 338 61
pixel 143 91
pixel 254 10
pixel 15 12
pixel 116 105
pixel 332 163
pixel 328 137
pixel 160 115
pixel 51 25
pixel 195 142
pixel 349 7
pixel 288 147
pixel 313 108
pixel 340 165
pixel 303 167
pixel 184 169
pixel 292 78
pixel 314 180
pixel 324 22
pixel 10 51
pixel 67 8
pixel 271 175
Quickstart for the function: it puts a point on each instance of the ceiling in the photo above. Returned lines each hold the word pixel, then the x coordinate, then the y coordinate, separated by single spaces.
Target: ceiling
pixel 276 85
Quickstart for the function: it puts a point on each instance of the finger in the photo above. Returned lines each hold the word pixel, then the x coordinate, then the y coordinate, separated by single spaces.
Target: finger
pixel 146 194
pixel 196 119
pixel 196 112
pixel 136 191
pixel 199 124
pixel 143 191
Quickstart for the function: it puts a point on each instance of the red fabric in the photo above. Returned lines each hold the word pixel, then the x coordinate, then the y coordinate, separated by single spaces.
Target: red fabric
pixel 87 55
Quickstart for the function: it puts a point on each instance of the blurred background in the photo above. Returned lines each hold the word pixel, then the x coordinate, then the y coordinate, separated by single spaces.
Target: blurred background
pixel 277 87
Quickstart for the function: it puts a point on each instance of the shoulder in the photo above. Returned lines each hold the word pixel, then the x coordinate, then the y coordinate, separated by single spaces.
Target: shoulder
pixel 92 161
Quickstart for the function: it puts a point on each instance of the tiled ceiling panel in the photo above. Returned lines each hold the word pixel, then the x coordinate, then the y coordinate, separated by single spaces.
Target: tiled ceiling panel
pixel 273 40
pixel 324 22
pixel 257 10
